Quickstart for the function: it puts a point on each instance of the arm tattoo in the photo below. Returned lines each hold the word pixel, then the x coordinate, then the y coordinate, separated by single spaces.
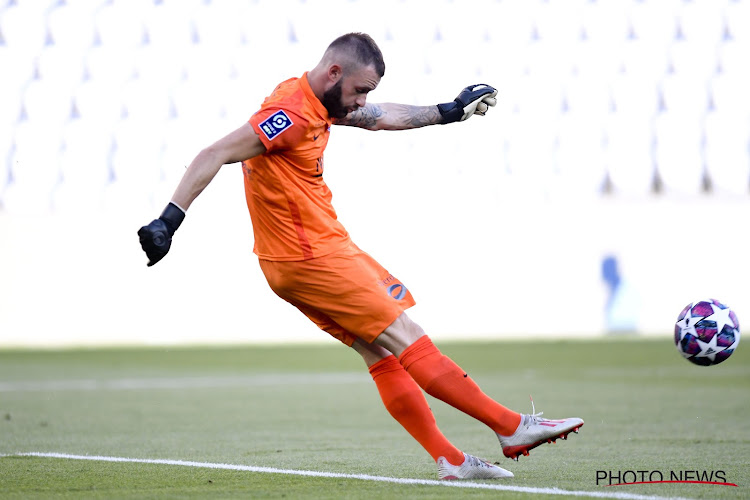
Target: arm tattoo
pixel 391 117
pixel 364 117
pixel 419 116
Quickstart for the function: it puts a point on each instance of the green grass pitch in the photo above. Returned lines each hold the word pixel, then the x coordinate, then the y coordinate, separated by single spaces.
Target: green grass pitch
pixel 315 408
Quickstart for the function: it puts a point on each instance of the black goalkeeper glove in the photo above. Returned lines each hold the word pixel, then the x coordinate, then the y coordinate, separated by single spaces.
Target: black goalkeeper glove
pixel 473 100
pixel 156 238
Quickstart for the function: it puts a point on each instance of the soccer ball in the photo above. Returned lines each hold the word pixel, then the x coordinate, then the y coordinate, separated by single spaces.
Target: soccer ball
pixel 707 332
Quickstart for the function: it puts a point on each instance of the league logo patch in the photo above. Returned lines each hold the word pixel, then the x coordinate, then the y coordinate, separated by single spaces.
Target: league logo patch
pixel 275 124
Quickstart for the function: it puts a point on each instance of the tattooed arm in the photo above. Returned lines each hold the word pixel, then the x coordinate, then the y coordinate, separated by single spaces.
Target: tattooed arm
pixel 391 117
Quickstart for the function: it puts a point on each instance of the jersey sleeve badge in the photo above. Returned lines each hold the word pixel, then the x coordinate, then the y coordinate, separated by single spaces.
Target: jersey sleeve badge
pixel 275 124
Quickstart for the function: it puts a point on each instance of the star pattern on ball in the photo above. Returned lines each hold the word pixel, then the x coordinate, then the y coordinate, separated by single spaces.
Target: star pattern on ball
pixel 720 317
pixel 687 324
pixel 709 349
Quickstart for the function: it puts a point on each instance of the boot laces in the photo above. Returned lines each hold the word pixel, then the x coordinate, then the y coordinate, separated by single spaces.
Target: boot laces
pixel 477 462
pixel 534 417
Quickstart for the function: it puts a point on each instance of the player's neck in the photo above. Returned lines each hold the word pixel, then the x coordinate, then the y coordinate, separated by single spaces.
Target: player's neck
pixel 317 80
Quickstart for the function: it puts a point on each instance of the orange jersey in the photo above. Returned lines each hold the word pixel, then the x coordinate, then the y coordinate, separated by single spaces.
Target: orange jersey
pixel 289 202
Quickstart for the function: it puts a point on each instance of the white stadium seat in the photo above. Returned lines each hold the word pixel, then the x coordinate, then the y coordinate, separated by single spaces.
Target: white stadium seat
pixel 654 21
pixel 729 94
pixel 606 23
pixel 738 20
pixel 87 148
pixel 703 21
pixel 84 166
pixel 22 26
pixel 579 156
pixel 71 25
pixel 684 96
pixel 170 26
pixel 695 60
pixel 678 153
pixel 587 96
pixel 218 25
pixel 100 101
pixel 732 58
pixel 645 60
pixel 62 66
pixel 111 64
pixel 628 156
pixel 726 151
pixel 146 102
pixel 34 167
pixel 45 101
pixel 121 24
pixel 635 96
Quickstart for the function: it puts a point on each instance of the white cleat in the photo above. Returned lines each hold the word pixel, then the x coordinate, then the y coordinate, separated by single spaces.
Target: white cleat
pixel 534 431
pixel 472 468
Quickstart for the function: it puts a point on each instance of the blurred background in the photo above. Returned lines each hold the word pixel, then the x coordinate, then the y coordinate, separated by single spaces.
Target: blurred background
pixel 607 190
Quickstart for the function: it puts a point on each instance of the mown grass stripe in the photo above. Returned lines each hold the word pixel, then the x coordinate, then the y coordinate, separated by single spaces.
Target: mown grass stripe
pixel 158 383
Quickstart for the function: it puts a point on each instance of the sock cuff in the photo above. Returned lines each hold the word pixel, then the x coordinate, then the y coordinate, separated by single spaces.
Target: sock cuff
pixel 418 350
pixel 385 365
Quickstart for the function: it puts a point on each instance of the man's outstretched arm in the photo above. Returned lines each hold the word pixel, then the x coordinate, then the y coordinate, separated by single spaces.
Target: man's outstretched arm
pixel 474 99
pixel 237 146
pixel 390 116
pixel 240 145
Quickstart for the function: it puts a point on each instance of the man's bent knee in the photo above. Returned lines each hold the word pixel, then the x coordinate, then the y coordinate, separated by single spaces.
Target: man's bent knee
pixel 399 335
pixel 371 353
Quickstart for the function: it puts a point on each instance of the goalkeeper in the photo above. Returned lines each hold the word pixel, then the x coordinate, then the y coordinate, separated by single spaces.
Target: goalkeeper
pixel 310 261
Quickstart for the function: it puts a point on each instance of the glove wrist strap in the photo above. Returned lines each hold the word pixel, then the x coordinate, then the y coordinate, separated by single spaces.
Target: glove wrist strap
pixel 450 111
pixel 172 217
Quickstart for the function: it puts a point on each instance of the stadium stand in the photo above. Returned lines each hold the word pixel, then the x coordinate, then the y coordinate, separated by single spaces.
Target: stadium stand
pixel 597 98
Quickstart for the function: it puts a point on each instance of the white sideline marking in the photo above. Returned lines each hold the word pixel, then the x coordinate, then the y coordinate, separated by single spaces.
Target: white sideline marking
pixel 126 384
pixel 362 477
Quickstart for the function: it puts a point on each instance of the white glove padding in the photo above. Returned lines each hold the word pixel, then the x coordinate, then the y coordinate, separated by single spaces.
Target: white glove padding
pixel 473 100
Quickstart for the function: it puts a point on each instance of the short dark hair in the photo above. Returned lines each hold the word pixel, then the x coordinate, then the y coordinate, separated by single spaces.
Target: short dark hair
pixel 363 48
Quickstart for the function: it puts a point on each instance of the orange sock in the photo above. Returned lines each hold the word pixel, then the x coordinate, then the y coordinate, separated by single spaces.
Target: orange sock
pixel 441 378
pixel 405 401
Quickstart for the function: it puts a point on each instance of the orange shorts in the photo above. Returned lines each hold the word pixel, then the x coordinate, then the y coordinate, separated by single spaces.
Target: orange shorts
pixel 346 293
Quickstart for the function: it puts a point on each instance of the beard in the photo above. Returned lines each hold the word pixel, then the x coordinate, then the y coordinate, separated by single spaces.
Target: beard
pixel 332 102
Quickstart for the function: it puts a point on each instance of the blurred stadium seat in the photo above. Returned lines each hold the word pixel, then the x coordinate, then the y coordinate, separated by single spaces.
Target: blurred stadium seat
pixel 113 65
pixel 71 25
pixel 34 166
pixel 120 23
pixel 84 166
pixel 737 19
pixel 628 156
pixel 100 101
pixel 727 144
pixel 684 96
pixel 22 25
pixel 61 66
pixel 605 23
pixel 654 21
pixel 703 21
pixel 170 28
pixel 47 102
pixel 580 156
pixel 679 158
pixel 218 25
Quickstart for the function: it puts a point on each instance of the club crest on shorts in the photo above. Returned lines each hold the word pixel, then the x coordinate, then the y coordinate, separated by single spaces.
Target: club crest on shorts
pixel 397 291
pixel 275 124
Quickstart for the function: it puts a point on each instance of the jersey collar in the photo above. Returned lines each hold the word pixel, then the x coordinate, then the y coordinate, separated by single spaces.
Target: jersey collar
pixel 305 85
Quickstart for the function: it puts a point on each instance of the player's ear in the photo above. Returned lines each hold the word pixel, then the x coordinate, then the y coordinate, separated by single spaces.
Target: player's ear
pixel 335 73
